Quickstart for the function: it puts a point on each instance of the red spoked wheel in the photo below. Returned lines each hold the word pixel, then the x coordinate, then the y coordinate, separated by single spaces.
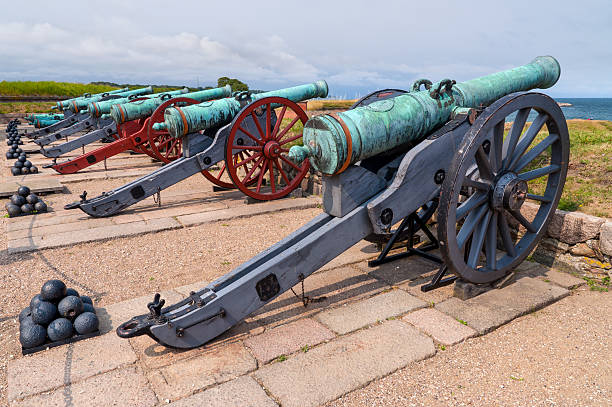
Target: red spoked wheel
pixel 262 151
pixel 165 147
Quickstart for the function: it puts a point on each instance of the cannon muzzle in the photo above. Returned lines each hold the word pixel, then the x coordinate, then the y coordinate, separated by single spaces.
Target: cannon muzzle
pixel 334 141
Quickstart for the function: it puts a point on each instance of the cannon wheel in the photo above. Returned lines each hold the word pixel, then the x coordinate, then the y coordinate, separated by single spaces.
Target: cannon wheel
pixel 167 148
pixel 268 153
pixel 495 174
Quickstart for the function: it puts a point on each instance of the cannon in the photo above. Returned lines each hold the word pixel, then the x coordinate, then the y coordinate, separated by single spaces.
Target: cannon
pixel 221 130
pixel 131 133
pixel 43 122
pixel 52 116
pixel 392 160
pixel 64 104
pixel 73 116
pixel 106 127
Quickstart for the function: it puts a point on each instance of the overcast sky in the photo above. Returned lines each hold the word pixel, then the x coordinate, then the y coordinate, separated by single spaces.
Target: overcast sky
pixel 357 46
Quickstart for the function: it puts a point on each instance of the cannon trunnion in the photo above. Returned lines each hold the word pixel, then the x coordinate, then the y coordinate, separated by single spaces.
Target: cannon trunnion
pixel 477 168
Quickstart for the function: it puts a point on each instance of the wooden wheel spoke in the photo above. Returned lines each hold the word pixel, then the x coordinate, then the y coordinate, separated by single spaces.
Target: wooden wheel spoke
pixel 484 166
pixel 289 140
pixel 497 146
pixel 539 198
pixel 261 132
pixel 504 231
pixel 272 177
pixel 478 239
pixel 470 204
pixel 482 186
pixel 221 171
pixel 290 163
pixel 247 160
pixel 252 137
pixel 261 175
pixel 268 120
pixel 528 138
pixel 519 216
pixel 236 147
pixel 279 120
pixel 472 220
pixel 534 152
pixel 491 243
pixel 247 178
pixel 514 135
pixel 286 129
pixel 280 169
pixel 539 172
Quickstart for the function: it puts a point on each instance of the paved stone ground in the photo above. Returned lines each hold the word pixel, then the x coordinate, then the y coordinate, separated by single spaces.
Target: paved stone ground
pixel 364 329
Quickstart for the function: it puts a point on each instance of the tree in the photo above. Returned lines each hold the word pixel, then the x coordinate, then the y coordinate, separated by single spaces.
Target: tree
pixel 234 83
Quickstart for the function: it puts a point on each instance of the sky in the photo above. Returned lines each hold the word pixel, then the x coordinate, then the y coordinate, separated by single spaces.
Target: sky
pixel 356 46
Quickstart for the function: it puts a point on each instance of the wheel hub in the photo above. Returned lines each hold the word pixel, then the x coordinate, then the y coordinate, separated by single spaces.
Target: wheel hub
pixel 272 149
pixel 509 192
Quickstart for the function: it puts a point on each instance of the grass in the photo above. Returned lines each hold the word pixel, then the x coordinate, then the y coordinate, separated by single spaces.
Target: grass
pixel 50 88
pixel 327 104
pixel 589 178
pixel 26 107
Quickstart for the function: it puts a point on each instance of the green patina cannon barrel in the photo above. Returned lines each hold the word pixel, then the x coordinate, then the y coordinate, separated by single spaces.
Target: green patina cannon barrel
pixel 52 116
pixel 97 109
pixel 44 122
pixel 80 104
pixel 64 104
pixel 136 110
pixel 190 119
pixel 331 143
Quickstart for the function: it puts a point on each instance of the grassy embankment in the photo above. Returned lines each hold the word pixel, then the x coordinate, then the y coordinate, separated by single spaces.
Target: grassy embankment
pixel 61 90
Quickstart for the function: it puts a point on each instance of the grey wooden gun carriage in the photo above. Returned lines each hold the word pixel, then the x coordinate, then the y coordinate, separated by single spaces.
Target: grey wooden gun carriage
pixel 394 158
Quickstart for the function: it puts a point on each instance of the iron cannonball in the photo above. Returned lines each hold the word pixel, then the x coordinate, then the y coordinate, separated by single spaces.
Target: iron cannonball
pixel 32 199
pixel 86 323
pixel 22 158
pixel 44 312
pixel 26 312
pixel 9 155
pixel 24 191
pixel 15 171
pixel 19 150
pixel 18 164
pixel 59 329
pixel 32 335
pixel 70 307
pixel 88 308
pixel 53 290
pixel 40 206
pixel 27 208
pixel 35 300
pixel 27 163
pixel 25 170
pixel 13 210
pixel 15 155
pixel 72 291
pixel 86 299
pixel 26 321
pixel 34 170
pixel 17 200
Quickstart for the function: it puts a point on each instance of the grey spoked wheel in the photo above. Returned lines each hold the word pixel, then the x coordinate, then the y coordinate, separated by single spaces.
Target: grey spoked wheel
pixel 491 177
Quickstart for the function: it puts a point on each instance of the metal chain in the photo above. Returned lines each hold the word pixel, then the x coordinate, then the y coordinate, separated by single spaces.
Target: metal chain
pixel 304 298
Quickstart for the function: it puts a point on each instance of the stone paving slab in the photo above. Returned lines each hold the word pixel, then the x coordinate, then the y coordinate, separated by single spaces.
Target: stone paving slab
pixel 248 210
pixel 183 378
pixel 287 339
pixel 123 387
pixel 335 368
pixel 352 316
pixel 241 392
pixel 547 274
pixel 497 307
pixel 55 367
pixel 8 188
pixel 90 235
pixel 59 228
pixel 441 327
pixel 337 286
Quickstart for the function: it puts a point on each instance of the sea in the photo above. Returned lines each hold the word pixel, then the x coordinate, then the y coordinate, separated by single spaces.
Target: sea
pixel 587 108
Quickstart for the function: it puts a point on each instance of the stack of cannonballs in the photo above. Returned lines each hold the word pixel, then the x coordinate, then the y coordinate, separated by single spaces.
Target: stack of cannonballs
pixel 56 314
pixel 22 166
pixel 25 203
